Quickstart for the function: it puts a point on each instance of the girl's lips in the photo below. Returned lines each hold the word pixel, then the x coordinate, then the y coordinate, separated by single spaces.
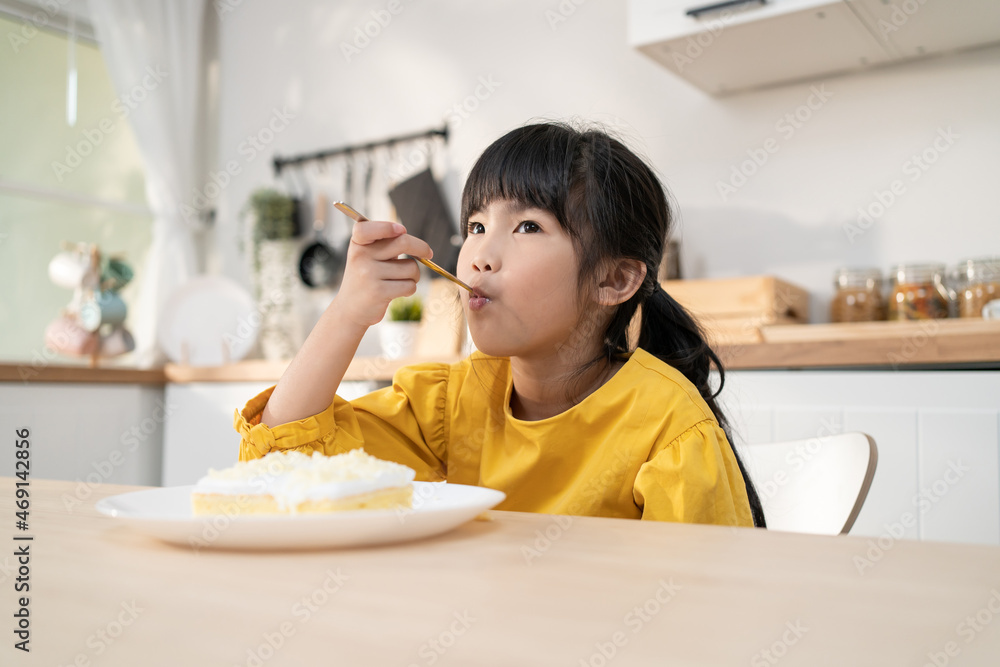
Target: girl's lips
pixel 478 300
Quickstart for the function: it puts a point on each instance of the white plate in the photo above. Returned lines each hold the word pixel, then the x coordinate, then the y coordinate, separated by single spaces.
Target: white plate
pixel 165 513
pixel 205 314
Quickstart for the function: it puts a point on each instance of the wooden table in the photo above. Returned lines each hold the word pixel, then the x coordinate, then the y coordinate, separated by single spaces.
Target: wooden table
pixel 522 589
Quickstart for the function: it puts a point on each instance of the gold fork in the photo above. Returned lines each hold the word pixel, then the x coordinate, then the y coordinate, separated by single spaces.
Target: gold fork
pixel 357 217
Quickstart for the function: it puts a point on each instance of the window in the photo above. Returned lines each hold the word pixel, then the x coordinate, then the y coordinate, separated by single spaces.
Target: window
pixel 59 183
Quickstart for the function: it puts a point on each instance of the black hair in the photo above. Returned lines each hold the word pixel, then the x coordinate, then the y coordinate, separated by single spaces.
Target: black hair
pixel 613 206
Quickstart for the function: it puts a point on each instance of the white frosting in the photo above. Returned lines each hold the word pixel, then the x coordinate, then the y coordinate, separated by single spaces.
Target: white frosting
pixel 293 477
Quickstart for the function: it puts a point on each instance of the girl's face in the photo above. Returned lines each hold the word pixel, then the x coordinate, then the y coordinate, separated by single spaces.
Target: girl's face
pixel 523 267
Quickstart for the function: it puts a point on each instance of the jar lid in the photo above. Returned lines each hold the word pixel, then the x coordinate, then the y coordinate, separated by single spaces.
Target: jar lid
pixel 857 276
pixel 978 269
pixel 922 272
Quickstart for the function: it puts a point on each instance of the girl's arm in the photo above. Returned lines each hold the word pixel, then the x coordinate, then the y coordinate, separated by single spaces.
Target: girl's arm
pixel 694 479
pixel 373 277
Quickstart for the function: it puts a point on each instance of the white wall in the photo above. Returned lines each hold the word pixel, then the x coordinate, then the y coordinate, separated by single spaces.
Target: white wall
pixel 787 220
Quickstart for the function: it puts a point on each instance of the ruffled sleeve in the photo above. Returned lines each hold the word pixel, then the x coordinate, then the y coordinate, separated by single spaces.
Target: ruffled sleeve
pixel 694 479
pixel 405 423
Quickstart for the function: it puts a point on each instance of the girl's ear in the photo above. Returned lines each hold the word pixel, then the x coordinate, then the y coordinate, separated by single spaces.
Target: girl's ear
pixel 619 281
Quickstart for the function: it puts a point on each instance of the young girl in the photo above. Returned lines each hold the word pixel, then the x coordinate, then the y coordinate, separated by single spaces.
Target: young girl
pixel 564 232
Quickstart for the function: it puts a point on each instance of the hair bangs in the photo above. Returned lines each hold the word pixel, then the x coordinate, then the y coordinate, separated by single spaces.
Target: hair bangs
pixel 530 166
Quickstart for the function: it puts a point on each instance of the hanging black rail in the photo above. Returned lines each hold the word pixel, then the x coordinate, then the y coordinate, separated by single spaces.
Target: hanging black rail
pixel 282 162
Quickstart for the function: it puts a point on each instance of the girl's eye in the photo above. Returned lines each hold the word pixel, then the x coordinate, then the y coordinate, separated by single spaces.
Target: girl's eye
pixel 476 227
pixel 528 227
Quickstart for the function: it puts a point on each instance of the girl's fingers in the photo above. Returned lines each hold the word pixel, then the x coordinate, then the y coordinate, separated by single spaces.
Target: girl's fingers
pixel 401 245
pixel 398 269
pixel 390 248
pixel 389 240
pixel 369 231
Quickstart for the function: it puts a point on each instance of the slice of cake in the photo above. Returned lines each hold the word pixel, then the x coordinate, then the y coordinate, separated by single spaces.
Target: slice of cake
pixel 293 482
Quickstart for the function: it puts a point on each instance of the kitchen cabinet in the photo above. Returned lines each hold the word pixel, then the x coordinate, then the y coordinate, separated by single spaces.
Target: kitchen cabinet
pixel 742 46
pixel 914 28
pixel 86 432
pixel 937 432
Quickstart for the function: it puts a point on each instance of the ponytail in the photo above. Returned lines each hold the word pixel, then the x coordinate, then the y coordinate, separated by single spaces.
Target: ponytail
pixel 670 333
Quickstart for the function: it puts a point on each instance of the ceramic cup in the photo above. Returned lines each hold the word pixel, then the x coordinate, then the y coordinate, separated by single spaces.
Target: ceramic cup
pixel 104 308
pixel 69 269
pixel 119 341
pixel 65 336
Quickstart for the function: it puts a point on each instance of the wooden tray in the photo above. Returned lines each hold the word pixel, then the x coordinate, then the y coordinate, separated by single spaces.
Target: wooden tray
pixel 733 310
pixel 768 298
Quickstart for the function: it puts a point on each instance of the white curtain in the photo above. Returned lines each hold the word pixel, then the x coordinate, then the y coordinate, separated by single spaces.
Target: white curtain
pixel 153 50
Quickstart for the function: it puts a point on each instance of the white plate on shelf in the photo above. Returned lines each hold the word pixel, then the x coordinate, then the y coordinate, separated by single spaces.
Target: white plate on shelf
pixel 165 514
pixel 213 317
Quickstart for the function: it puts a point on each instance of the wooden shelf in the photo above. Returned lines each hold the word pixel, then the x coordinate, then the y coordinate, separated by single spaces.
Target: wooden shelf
pixel 943 343
pixel 29 372
pixel 361 369
pixel 879 344
pixel 255 370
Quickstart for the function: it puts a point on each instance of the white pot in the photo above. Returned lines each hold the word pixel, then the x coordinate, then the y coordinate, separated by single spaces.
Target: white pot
pixel 398 339
pixel 276 283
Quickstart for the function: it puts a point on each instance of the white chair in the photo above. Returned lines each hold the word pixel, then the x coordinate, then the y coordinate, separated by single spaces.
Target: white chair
pixel 812 486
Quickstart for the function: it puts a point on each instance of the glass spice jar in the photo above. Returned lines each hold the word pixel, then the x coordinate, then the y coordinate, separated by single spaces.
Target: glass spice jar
pixel 918 292
pixel 858 296
pixel 978 282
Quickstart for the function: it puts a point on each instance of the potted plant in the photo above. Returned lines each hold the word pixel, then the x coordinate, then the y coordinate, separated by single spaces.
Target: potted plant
pixel 398 334
pixel 273 218
pixel 273 232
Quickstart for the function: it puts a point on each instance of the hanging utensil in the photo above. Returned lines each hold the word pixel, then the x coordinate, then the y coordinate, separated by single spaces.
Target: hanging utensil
pixel 369 170
pixel 320 265
pixel 297 187
pixel 421 206
pixel 380 207
pixel 357 217
pixel 348 185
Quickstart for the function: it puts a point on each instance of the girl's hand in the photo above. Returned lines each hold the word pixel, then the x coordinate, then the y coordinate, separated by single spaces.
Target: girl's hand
pixel 374 275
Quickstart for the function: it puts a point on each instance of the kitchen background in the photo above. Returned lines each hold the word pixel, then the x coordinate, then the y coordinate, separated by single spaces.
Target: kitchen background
pixel 319 75
pixel 788 219
pixel 486 71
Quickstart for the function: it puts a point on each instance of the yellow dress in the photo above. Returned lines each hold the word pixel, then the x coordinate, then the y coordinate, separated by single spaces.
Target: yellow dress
pixel 643 445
